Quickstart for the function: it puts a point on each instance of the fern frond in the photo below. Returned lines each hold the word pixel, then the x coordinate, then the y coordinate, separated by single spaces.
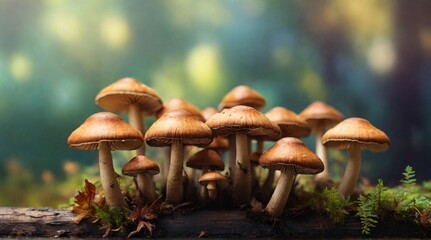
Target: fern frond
pixel 409 177
pixel 366 212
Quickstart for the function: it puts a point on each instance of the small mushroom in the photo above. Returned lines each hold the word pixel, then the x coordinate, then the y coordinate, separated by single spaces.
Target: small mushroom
pixel 320 116
pixel 106 132
pixel 212 181
pixel 144 169
pixel 291 157
pixel 176 129
pixel 354 134
pixel 131 96
pixel 291 125
pixel 242 121
pixel 206 160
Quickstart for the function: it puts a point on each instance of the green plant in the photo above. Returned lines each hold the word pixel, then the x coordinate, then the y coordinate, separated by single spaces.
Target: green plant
pixel 369 206
pixel 409 177
pixel 335 204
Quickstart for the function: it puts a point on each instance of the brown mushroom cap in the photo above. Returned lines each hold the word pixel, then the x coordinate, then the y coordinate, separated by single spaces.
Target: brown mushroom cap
pixel 242 95
pixel 206 158
pixel 356 131
pixel 140 164
pixel 178 126
pixel 176 104
pixel 291 151
pixel 290 123
pixel 243 119
pixel 105 127
pixel 219 143
pixel 221 181
pixel 119 95
pixel 319 113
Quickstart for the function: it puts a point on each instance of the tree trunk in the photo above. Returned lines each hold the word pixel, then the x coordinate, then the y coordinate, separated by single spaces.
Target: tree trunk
pixel 406 105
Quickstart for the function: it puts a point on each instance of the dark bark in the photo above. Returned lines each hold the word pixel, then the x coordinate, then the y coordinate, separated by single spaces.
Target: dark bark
pixel 46 222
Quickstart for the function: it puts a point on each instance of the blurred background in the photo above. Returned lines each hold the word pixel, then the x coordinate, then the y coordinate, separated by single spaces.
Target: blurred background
pixel 366 58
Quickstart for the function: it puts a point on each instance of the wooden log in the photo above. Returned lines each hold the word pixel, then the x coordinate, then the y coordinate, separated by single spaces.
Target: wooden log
pixel 47 222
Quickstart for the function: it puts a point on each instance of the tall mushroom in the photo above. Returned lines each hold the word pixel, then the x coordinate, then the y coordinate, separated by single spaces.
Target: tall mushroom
pixel 291 157
pixel 176 129
pixel 131 96
pixel 242 121
pixel 240 95
pixel 143 168
pixel 106 132
pixel 177 104
pixel 354 134
pixel 320 116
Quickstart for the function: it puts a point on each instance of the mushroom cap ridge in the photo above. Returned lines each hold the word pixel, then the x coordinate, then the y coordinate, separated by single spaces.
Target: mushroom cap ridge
pixel 356 131
pixel 105 127
pixel 290 151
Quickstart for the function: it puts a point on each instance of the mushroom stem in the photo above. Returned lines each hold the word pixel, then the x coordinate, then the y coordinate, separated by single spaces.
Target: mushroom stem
pixel 136 120
pixel 267 185
pixel 146 187
pixel 351 173
pixel 174 186
pixel 321 152
pixel 202 189
pixel 281 193
pixel 108 177
pixel 232 154
pixel 212 189
pixel 259 148
pixel 242 177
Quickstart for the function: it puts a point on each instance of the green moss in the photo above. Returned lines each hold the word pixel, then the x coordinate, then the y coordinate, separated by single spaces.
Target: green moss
pixel 334 204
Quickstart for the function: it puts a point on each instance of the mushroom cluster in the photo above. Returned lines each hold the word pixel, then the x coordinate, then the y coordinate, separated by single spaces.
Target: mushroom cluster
pixel 238 127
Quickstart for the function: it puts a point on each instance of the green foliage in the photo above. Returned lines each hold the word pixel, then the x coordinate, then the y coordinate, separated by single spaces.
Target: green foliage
pixel 369 206
pixel 367 213
pixel 407 202
pixel 409 177
pixel 335 204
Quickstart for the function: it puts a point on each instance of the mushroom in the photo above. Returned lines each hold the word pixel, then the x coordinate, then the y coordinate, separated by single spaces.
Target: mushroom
pixel 212 181
pixel 291 157
pixel 205 160
pixel 291 125
pixel 176 129
pixel 354 134
pixel 242 121
pixel 130 95
pixel 106 132
pixel 143 168
pixel 320 116
pixel 176 104
pixel 219 143
pixel 240 95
